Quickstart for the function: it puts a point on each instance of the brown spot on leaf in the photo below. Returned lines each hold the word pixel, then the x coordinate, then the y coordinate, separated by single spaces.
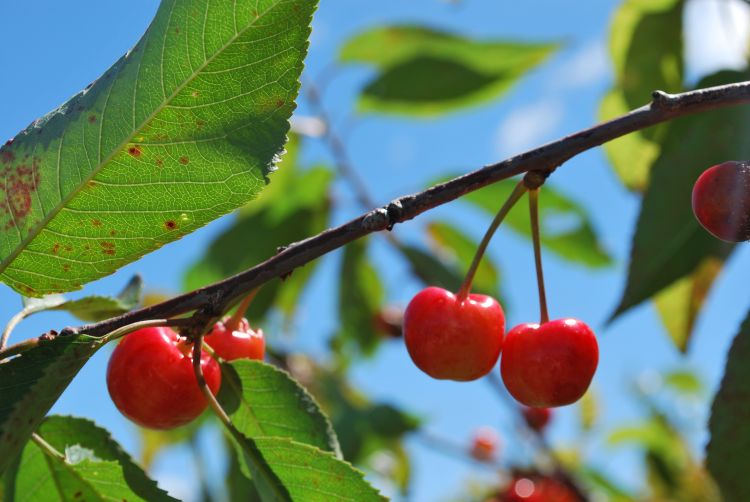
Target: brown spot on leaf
pixel 113 232
pixel 195 94
pixel 56 248
pixel 279 103
pixel 92 118
pixel 170 224
pixel 96 223
pixel 66 267
pixel 6 157
pixel 177 30
pixel 68 248
pixel 135 151
pixel 160 162
pixel 184 160
pixel 108 247
pixel 17 184
pixel 77 494
pixel 200 123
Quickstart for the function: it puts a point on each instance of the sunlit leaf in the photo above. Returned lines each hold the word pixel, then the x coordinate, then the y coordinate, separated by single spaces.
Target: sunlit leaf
pixel 179 131
pixel 424 71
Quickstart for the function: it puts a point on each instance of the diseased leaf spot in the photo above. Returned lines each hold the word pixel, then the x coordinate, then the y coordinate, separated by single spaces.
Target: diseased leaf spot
pixel 96 223
pixel 135 151
pixel 170 224
pixel 77 494
pixel 66 267
pixel 108 247
pixel 195 94
pixel 160 162
pixel 6 156
pixel 56 248
pixel 113 232
pixel 200 123
pixel 17 185
pixel 68 248
pixel 92 118
pixel 177 30
pixel 184 160
pixel 279 103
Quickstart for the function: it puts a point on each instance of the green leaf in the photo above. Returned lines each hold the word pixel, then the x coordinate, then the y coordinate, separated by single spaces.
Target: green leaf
pixel 425 71
pixel 262 400
pixel 453 241
pixel 31 383
pixel 298 209
pixel 566 228
pixel 684 382
pixel 678 305
pixel 90 308
pixel 181 130
pixel 361 295
pixel 431 269
pixel 726 453
pixel 669 243
pixel 646 50
pixel 95 467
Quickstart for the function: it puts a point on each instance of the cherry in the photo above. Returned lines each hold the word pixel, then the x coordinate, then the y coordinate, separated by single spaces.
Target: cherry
pixel 539 489
pixel 238 343
pixel 454 338
pixel 484 444
pixel 721 201
pixel 151 381
pixel 536 418
pixel 549 365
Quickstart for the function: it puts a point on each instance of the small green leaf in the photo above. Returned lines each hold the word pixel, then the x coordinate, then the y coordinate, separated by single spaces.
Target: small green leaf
pixel 427 72
pixel 294 212
pixel 726 453
pixel 646 49
pixel 678 305
pixel 264 401
pixel 684 382
pixel 453 241
pixel 95 467
pixel 31 383
pixel 669 243
pixel 361 295
pixel 431 269
pixel 566 229
pixel 181 130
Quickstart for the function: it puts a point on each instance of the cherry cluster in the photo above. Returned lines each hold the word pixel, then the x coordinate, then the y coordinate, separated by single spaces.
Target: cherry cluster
pixel 461 336
pixel 150 376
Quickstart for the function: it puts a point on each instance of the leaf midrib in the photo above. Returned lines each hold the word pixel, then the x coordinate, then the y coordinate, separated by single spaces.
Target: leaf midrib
pixel 4 264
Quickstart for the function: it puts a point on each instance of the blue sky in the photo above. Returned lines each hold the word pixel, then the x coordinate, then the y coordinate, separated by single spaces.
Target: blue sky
pixel 50 50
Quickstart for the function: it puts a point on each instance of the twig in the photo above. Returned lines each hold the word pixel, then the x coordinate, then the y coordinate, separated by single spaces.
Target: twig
pixel 218 296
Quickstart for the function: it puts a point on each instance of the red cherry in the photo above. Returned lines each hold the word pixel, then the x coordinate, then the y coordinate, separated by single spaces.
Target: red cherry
pixel 151 381
pixel 549 365
pixel 537 418
pixel 453 339
pixel 242 342
pixel 721 201
pixel 485 443
pixel 539 489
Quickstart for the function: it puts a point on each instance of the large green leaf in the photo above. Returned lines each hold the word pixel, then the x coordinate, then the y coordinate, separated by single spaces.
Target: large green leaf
pixel 567 230
pixel 424 71
pixel 298 209
pixel 361 295
pixel 265 401
pixel 730 436
pixel 95 468
pixel 646 49
pixel 669 243
pixel 31 383
pixel 182 129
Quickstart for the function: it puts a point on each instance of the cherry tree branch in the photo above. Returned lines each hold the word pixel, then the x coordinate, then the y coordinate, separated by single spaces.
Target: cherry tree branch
pixel 215 299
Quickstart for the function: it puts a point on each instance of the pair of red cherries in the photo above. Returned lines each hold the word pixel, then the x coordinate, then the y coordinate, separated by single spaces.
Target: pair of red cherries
pixel 150 376
pixel 460 338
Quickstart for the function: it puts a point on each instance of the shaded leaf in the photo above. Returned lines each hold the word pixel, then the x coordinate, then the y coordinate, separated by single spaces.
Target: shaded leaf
pixel 239 486
pixel 678 305
pixel 264 401
pixel 726 453
pixel 684 381
pixel 95 467
pixel 669 243
pixel 566 228
pixel 431 269
pixel 296 210
pixel 361 295
pixel 31 383
pixel 179 131
pixel 646 49
pixel 425 71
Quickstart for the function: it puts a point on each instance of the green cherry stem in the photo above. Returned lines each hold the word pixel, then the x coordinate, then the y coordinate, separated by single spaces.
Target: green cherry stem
pixel 46 447
pixel 515 195
pixel 233 322
pixel 534 213
pixel 213 403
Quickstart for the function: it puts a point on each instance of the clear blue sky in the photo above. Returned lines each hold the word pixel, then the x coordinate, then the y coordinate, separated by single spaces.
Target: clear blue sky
pixel 50 50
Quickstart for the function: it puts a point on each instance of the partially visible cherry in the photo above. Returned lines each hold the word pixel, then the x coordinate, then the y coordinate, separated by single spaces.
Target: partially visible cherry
pixel 539 489
pixel 721 200
pixel 151 380
pixel 536 418
pixel 452 338
pixel 485 444
pixel 549 365
pixel 238 343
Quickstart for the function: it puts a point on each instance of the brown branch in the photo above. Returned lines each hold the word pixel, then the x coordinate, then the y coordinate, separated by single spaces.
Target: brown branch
pixel 214 300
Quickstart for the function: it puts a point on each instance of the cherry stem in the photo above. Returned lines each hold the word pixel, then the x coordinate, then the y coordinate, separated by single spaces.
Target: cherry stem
pixel 212 402
pixel 534 213
pixel 515 195
pixel 20 316
pixel 46 447
pixel 233 322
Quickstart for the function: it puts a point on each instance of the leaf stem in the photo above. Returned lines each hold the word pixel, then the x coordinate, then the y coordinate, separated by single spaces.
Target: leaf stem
pixel 20 316
pixel 151 323
pixel 234 321
pixel 514 196
pixel 534 213
pixel 46 447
